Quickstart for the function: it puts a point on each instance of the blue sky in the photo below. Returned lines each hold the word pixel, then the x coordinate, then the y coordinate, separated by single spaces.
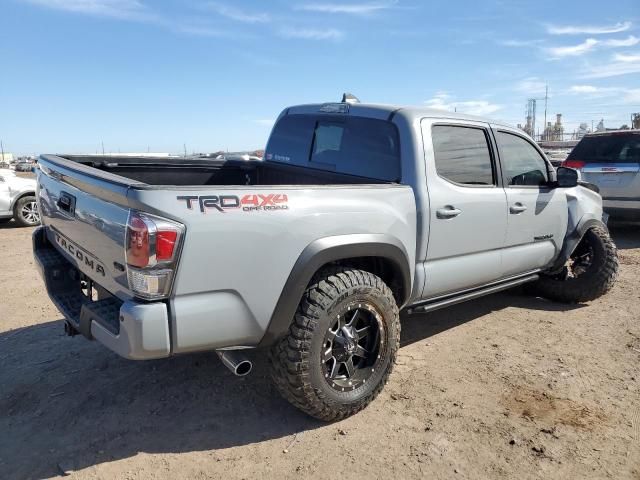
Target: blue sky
pixel 156 74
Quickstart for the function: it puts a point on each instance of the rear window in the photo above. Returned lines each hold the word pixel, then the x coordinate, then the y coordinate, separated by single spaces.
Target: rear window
pixel 619 148
pixel 364 147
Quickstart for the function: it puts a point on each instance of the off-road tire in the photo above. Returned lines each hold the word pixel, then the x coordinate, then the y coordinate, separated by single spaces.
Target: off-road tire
pixel 18 209
pixel 593 283
pixel 296 365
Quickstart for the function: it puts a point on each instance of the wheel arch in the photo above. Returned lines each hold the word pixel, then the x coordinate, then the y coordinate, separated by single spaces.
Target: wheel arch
pixel 381 254
pixel 27 193
pixel 571 241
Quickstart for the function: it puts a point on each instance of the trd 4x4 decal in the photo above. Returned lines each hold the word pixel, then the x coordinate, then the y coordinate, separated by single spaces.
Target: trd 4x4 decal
pixel 248 203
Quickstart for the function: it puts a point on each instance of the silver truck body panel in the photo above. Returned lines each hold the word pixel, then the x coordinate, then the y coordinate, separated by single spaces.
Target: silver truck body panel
pixel 235 264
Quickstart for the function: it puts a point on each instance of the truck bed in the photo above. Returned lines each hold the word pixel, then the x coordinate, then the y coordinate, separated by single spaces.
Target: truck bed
pixel 204 171
pixel 219 296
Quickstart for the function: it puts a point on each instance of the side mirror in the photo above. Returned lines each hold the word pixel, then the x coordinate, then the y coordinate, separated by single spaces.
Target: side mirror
pixel 567 177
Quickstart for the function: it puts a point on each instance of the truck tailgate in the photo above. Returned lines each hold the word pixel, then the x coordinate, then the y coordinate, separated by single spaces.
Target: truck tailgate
pixel 81 210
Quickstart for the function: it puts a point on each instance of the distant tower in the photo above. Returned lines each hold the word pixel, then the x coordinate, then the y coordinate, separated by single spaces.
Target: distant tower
pixel 530 126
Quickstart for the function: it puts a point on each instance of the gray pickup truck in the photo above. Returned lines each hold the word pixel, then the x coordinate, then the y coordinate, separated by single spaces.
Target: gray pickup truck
pixel 357 212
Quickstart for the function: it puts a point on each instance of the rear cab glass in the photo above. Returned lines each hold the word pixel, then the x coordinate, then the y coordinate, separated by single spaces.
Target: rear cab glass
pixel 364 147
pixel 614 148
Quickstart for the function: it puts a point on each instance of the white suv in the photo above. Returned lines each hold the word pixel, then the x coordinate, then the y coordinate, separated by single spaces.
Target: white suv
pixel 18 199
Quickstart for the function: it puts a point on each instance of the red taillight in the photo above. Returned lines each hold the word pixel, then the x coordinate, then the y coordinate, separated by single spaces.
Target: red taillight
pixel 577 164
pixel 151 240
pixel 151 252
pixel 165 244
pixel 137 242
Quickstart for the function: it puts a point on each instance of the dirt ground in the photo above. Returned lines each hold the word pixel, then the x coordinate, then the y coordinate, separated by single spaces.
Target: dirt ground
pixel 503 387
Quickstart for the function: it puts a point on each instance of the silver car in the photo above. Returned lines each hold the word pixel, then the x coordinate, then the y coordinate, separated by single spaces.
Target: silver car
pixel 611 160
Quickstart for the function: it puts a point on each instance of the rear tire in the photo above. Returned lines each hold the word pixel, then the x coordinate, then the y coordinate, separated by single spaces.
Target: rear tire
pixel 341 345
pixel 590 272
pixel 26 212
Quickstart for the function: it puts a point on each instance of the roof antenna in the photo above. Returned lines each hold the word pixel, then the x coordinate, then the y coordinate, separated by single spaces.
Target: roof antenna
pixel 349 98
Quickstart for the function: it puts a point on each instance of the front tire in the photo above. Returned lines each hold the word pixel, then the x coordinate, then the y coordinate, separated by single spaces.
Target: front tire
pixel 590 272
pixel 341 345
pixel 26 212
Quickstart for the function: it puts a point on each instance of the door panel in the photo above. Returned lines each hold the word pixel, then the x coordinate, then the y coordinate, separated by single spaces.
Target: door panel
pixel 537 215
pixel 468 221
pixel 5 196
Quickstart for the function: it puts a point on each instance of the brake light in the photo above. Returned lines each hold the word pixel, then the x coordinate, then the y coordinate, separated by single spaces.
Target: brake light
pixel 165 244
pixel 151 251
pixel 577 164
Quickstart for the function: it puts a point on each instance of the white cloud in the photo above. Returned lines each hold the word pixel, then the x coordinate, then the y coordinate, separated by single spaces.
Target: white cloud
pixel 199 30
pixel 624 96
pixel 626 58
pixel 443 101
pixel 531 85
pixel 518 43
pixel 237 14
pixel 583 89
pixel 312 33
pixel 620 65
pixel 632 96
pixel 121 9
pixel 348 8
pixel 573 50
pixel 630 41
pixel 588 29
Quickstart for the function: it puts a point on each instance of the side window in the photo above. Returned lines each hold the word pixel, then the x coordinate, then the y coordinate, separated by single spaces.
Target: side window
pixel 521 162
pixel 462 155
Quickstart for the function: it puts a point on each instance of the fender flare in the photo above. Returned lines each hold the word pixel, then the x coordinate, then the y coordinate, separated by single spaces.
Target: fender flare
pixel 571 241
pixel 331 249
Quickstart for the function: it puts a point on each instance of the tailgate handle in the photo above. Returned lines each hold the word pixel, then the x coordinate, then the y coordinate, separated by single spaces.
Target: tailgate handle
pixel 67 202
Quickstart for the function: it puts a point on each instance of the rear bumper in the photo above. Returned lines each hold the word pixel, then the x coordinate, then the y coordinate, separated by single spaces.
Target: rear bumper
pixel 626 209
pixel 132 329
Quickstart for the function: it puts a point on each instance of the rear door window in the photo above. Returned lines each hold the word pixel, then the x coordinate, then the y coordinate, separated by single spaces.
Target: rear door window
pixel 359 146
pixel 618 148
pixel 462 155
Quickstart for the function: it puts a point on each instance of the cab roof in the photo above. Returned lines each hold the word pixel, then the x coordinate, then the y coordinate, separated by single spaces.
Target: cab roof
pixel 384 112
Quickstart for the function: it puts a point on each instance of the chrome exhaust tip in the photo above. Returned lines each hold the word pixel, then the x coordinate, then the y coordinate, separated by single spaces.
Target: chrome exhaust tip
pixel 236 362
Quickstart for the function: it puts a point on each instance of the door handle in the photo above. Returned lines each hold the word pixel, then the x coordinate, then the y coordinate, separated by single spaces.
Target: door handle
pixel 517 208
pixel 448 212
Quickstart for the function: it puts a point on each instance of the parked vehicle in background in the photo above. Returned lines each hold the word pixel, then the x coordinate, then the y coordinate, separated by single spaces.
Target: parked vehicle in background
pixel 611 160
pixel 356 212
pixel 18 199
pixel 24 166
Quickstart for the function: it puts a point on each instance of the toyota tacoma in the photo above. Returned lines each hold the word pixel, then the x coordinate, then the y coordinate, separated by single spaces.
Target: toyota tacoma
pixel 357 212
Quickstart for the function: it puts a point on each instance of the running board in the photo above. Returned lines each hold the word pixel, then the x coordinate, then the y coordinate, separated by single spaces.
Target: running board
pixel 463 297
